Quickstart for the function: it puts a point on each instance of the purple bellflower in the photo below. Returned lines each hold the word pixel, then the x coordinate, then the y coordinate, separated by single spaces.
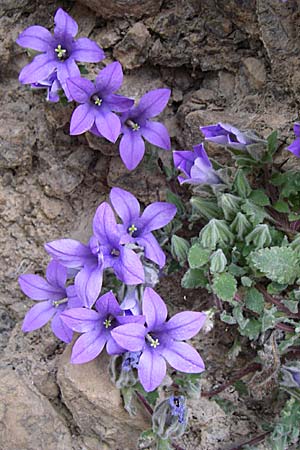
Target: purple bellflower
pixel 104 250
pixel 136 126
pixel 295 146
pixel 59 52
pixel 53 298
pixel 138 228
pixel 96 327
pixel 195 166
pixel 52 85
pixel 97 103
pixel 225 134
pixel 160 341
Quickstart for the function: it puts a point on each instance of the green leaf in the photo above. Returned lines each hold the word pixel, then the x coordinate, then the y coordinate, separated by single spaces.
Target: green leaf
pixel 227 318
pixel 270 318
pixel 254 300
pixel 198 256
pixel 272 140
pixel 252 330
pixel 280 264
pixel 281 206
pixel 241 184
pixel 259 197
pixel 224 286
pixel 241 387
pixel 205 208
pixel 194 278
pixel 238 314
pixel 255 213
pixel 176 200
pixel 292 305
pixel 246 281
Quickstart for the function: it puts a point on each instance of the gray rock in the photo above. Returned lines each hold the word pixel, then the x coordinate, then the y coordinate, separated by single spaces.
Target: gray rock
pixel 132 51
pixel 96 405
pixel 121 8
pixel 28 421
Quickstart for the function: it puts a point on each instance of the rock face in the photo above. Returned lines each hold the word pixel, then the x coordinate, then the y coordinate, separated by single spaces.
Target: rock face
pixel 27 419
pixel 96 405
pixel 121 8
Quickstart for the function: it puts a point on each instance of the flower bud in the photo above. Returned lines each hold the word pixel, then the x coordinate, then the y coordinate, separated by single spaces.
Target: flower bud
pixel 218 262
pixel 240 226
pixel 169 419
pixel 241 184
pixel 230 205
pixel 215 232
pixel 179 248
pixel 260 236
pixel 291 374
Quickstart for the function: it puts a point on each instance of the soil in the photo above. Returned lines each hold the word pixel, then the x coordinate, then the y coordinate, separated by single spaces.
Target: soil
pixel 235 61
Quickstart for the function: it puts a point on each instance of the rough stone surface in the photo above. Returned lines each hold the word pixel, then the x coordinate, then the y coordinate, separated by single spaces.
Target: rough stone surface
pixel 132 51
pixel 27 419
pixel 121 8
pixel 96 405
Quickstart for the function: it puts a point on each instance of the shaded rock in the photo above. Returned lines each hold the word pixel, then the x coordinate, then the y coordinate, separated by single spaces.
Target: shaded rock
pixel 96 405
pixel 6 325
pixel 146 182
pixel 121 8
pixel 132 51
pixel 27 419
pixel 105 147
pixel 59 182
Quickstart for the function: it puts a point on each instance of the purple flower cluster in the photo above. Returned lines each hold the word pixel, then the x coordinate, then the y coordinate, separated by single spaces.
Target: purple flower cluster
pixel 102 111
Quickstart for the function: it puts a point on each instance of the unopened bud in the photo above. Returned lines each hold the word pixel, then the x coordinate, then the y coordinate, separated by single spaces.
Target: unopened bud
pixel 260 236
pixel 230 205
pixel 215 232
pixel 218 262
pixel 179 248
pixel 241 225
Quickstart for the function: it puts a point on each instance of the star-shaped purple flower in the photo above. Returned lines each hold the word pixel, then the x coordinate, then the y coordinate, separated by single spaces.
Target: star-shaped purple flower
pixel 104 250
pixel 295 146
pixel 195 166
pixel 97 103
pixel 59 52
pixel 52 85
pixel 225 134
pixel 53 297
pixel 137 228
pixel 160 341
pixel 136 126
pixel 96 327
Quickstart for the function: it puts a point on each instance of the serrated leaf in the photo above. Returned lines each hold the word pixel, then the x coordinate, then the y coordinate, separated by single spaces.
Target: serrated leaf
pixel 256 213
pixel 227 318
pixel 252 329
pixel 281 206
pixel 194 278
pixel 280 264
pixel 224 286
pixel 198 256
pixel 254 300
pixel 259 197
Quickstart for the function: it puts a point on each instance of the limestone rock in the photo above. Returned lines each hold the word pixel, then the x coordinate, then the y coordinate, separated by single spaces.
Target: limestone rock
pixel 132 51
pixel 256 72
pixel 121 8
pixel 96 405
pixel 27 419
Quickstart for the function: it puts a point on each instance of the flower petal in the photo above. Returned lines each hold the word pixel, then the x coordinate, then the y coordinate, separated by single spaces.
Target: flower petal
pixel 82 119
pixel 108 124
pixel 73 300
pixel 157 134
pixel 113 348
pixel 130 336
pixel 104 223
pixel 128 267
pixel 152 249
pixel 125 204
pixel 56 274
pixel 70 253
pixel 110 78
pixel 88 347
pixel 157 215
pixel 118 103
pixel 81 320
pixel 152 369
pixel 183 357
pixel 65 25
pixel 295 147
pixel 107 305
pixel 80 89
pixel 61 330
pixel 67 69
pixel 132 149
pixel 85 50
pixel 88 284
pixel 154 309
pixel 39 69
pixel 185 325
pixel 152 103
pixel 36 37
pixel 37 288
pixel 38 316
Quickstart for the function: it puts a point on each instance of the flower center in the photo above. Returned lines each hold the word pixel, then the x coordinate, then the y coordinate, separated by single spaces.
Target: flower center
pixel 133 125
pixel 132 229
pixel 107 323
pixel 96 100
pixel 115 252
pixel 153 342
pixel 61 52
pixel 56 303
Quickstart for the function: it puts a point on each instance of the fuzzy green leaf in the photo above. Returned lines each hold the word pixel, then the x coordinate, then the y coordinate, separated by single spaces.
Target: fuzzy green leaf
pixel 224 286
pixel 254 300
pixel 194 278
pixel 280 264
pixel 259 197
pixel 198 256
